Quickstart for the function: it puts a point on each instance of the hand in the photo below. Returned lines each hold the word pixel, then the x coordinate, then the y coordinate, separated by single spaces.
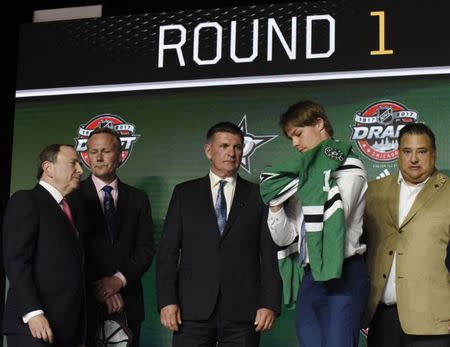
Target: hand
pixel 106 287
pixel 275 208
pixel 264 319
pixel 170 317
pixel 115 303
pixel 40 328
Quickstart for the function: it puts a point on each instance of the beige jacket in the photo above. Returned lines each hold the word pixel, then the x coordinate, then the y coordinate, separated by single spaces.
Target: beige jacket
pixel 422 279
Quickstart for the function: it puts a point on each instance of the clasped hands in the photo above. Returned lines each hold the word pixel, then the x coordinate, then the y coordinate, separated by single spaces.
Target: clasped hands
pixel 106 290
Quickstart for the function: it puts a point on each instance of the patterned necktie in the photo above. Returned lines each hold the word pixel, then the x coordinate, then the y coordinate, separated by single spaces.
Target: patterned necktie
pixel 109 211
pixel 66 208
pixel 221 207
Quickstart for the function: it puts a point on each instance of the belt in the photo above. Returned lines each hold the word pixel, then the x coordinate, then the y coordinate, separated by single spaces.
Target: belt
pixel 354 257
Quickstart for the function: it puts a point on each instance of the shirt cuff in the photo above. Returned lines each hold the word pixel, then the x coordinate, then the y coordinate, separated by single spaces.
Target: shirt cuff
pixel 121 277
pixel 276 214
pixel 276 218
pixel 31 314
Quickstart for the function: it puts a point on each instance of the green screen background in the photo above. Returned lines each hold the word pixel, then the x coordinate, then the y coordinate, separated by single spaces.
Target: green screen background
pixel 172 125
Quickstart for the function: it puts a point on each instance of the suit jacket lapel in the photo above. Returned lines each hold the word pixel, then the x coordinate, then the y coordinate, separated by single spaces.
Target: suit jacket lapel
pixel 207 204
pixel 393 194
pixel 94 208
pixel 122 203
pixel 435 183
pixel 92 196
pixel 50 203
pixel 240 197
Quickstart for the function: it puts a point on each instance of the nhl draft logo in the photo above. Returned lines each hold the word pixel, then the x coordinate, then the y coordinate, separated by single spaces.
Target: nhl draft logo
pixel 251 143
pixel 377 127
pixel 125 131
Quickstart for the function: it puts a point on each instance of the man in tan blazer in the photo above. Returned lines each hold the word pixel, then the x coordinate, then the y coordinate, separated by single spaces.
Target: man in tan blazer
pixel 407 225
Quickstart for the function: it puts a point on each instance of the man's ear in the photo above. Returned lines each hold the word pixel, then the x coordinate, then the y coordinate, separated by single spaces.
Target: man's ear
pixel 207 148
pixel 320 123
pixel 47 168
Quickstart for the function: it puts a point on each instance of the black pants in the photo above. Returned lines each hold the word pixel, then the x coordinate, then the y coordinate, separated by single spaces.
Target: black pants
pixel 216 331
pixel 30 341
pixel 385 331
pixel 135 327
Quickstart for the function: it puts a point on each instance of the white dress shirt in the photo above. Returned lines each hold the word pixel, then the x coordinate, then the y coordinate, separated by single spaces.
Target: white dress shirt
pixel 406 199
pixel 284 225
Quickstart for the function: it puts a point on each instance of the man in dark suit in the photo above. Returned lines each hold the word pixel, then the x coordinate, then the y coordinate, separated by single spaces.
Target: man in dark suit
pixel 43 258
pixel 217 275
pixel 116 223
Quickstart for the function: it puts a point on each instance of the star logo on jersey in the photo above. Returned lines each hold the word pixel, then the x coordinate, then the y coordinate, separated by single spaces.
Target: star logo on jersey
pixel 251 143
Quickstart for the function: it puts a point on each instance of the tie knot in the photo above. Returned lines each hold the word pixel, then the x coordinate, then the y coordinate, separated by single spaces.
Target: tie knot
pixel 222 183
pixel 107 189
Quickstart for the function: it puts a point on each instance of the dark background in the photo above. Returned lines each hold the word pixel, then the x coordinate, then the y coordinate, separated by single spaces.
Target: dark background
pixel 23 13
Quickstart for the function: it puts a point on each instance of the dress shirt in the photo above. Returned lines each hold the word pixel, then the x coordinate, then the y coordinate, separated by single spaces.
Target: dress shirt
pixel 228 189
pixel 406 199
pixel 99 184
pixel 58 197
pixel 284 225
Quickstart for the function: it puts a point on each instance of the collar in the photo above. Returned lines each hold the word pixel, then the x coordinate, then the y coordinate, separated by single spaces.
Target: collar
pixel 99 184
pixel 216 179
pixel 401 180
pixel 52 190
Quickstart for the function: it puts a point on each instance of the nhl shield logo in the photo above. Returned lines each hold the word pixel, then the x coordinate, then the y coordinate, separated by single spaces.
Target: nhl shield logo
pixel 125 131
pixel 377 128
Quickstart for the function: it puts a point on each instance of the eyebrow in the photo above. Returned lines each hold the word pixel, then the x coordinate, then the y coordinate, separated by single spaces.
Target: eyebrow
pixel 427 148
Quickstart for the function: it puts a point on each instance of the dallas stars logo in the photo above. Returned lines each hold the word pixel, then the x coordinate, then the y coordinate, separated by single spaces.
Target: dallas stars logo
pixel 251 143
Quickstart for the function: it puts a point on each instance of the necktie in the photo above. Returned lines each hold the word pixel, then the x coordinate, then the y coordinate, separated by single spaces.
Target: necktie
pixel 109 212
pixel 221 207
pixel 66 209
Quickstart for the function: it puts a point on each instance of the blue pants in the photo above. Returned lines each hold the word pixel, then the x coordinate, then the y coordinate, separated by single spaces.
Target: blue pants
pixel 329 313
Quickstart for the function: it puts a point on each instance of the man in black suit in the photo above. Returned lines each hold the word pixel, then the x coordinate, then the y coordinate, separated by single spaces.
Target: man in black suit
pixel 116 223
pixel 217 276
pixel 43 258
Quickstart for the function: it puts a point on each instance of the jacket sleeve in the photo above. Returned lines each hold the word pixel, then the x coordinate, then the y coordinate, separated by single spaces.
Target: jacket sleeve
pixel 271 285
pixel 168 254
pixel 142 256
pixel 20 234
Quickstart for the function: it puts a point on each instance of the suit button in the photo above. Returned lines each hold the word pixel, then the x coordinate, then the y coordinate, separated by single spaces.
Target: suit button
pixel 384 275
pixel 390 252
